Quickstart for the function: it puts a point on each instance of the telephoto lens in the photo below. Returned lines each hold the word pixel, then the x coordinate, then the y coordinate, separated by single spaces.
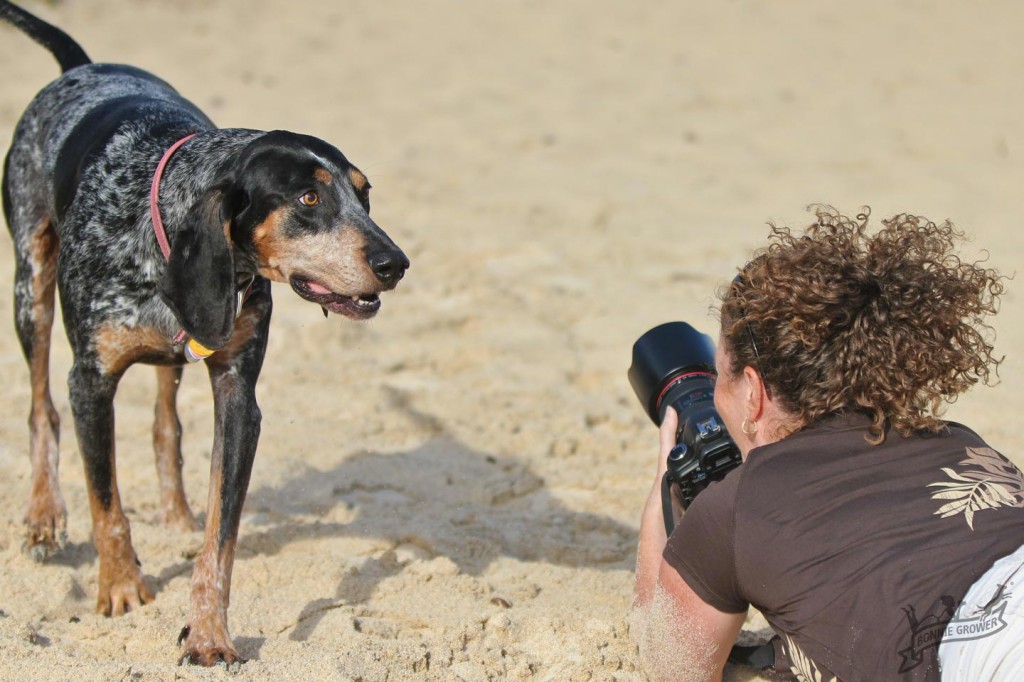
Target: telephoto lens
pixel 673 364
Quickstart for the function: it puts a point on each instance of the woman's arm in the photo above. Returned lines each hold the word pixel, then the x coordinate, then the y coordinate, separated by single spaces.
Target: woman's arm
pixel 680 636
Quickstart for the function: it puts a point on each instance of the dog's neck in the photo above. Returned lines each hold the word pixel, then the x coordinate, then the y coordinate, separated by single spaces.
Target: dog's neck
pixel 154 196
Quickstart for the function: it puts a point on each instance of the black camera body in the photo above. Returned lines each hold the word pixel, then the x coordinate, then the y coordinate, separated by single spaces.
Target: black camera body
pixel 674 365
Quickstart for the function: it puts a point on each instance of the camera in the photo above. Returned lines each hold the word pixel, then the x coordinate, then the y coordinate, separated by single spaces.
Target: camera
pixel 674 365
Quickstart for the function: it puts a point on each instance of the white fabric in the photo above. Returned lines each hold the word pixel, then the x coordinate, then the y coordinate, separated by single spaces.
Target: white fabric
pixel 980 646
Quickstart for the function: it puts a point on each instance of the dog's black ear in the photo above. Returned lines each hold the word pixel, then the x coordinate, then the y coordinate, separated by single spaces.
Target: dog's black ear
pixel 199 282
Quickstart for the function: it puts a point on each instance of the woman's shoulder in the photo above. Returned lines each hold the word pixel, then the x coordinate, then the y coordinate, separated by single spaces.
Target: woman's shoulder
pixel 839 448
pixel 958 430
pixel 839 433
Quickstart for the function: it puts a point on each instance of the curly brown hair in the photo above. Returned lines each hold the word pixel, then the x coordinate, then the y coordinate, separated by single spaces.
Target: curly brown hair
pixel 890 324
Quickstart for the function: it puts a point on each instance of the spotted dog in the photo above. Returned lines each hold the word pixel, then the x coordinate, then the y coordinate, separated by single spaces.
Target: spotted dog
pixel 162 234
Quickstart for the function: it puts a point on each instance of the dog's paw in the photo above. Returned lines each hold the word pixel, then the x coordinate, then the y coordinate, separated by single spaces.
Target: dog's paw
pixel 122 591
pixel 45 529
pixel 207 648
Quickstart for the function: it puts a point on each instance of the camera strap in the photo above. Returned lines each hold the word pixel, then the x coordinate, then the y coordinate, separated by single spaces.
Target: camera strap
pixel 666 504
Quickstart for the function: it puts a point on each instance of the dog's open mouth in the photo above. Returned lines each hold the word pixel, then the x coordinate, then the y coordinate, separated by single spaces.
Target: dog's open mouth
pixel 357 307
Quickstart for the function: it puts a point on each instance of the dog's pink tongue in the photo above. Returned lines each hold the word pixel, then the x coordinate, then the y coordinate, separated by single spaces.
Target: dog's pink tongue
pixel 318 288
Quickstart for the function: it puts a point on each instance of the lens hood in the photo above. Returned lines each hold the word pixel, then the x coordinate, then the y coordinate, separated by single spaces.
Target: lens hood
pixel 662 355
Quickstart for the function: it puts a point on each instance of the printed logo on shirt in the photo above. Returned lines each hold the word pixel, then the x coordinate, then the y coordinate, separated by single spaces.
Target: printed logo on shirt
pixel 805 669
pixel 932 630
pixel 987 481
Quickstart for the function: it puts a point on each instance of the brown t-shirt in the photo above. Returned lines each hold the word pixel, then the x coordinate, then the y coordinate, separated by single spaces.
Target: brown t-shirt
pixel 857 554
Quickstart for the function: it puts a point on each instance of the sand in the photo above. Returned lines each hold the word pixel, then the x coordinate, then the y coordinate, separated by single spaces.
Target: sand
pixel 452 490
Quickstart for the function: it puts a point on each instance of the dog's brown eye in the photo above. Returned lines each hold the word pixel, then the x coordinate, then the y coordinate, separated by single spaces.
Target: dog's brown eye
pixel 310 199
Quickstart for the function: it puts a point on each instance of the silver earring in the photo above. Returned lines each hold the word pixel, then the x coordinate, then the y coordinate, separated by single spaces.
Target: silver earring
pixel 752 426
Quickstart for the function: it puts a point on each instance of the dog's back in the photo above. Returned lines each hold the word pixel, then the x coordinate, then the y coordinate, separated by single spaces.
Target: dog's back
pixel 71 121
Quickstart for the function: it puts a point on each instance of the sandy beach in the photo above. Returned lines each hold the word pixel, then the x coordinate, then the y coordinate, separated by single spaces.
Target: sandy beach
pixel 452 490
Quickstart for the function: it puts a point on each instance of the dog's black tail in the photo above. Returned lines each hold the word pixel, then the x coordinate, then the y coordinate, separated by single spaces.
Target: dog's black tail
pixel 69 54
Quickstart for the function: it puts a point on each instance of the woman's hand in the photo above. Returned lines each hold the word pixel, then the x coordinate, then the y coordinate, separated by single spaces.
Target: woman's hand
pixel 667 431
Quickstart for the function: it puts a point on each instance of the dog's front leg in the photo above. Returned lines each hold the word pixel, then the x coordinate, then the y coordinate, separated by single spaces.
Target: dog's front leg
pixel 205 639
pixel 91 393
pixel 174 509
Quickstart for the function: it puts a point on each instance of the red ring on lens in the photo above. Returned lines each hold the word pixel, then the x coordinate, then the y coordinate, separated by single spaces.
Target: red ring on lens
pixel 676 379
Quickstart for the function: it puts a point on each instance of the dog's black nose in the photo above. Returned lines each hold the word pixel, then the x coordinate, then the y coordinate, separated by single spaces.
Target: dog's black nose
pixel 389 266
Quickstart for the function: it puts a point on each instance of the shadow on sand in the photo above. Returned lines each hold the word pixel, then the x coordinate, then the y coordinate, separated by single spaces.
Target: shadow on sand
pixel 443 499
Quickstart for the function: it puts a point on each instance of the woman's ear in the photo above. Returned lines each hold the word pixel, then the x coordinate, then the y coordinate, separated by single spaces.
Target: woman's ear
pixel 755 393
pixel 199 282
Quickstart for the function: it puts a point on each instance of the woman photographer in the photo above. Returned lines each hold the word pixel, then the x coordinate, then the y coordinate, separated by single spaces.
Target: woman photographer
pixel 878 541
